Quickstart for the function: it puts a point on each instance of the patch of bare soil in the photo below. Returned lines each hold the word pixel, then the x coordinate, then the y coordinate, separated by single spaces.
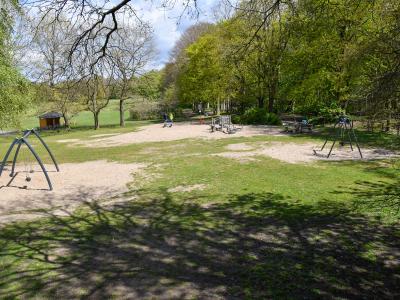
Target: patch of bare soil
pixel 104 135
pixel 240 147
pixel 299 153
pixel 68 141
pixel 187 188
pixel 179 131
pixel 73 185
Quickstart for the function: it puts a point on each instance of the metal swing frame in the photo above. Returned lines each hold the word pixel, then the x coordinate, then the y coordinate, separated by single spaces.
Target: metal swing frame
pixel 18 142
pixel 344 126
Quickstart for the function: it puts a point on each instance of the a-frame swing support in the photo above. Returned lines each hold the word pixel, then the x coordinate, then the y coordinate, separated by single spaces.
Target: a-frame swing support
pixel 18 142
pixel 343 126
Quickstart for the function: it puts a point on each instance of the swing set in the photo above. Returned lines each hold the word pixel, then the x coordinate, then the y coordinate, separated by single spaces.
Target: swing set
pixel 18 143
pixel 344 132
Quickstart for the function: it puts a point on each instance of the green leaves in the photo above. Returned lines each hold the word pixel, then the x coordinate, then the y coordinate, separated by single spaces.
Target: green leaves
pixel 14 89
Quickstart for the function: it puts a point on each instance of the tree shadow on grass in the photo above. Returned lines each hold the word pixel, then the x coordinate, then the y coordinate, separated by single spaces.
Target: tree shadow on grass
pixel 167 245
pixel 377 196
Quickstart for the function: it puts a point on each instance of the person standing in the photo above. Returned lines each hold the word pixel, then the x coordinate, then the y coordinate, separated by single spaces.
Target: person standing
pixel 165 117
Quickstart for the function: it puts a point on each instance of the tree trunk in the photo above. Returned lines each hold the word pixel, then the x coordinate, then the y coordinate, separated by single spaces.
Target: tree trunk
pixel 96 120
pixel 271 101
pixel 260 101
pixel 121 113
pixel 66 121
pixel 271 97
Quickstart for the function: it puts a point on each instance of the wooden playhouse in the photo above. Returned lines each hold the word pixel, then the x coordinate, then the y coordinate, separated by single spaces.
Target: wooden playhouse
pixel 50 120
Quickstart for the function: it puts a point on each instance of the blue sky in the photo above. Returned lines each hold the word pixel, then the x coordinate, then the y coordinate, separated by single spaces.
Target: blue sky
pixel 166 24
pixel 168 27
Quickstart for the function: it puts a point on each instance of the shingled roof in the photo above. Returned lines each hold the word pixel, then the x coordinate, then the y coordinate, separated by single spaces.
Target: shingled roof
pixel 51 115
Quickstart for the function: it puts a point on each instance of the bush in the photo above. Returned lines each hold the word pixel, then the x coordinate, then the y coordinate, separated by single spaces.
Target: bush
pixel 236 119
pixel 260 116
pixel 145 110
pixel 327 115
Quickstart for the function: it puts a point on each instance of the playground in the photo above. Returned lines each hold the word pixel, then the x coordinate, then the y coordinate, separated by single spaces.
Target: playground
pixel 183 212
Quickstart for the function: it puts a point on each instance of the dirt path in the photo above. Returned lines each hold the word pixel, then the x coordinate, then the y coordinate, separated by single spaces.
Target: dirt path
pixel 73 185
pixel 299 153
pixel 156 133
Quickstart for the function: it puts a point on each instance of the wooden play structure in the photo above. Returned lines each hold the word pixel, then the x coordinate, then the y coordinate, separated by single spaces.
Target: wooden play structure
pixel 50 120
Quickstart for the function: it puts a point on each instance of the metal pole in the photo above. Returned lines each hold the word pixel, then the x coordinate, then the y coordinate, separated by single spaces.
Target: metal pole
pixel 348 133
pixel 15 159
pixel 326 141
pixel 7 155
pixel 334 141
pixel 47 148
pixel 355 139
pixel 39 161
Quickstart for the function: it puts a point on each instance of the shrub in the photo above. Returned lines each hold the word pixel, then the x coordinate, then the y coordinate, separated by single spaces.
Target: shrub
pixel 145 110
pixel 236 119
pixel 328 115
pixel 260 116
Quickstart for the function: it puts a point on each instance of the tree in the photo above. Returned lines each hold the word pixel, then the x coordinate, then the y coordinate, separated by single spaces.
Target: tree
pixel 130 52
pixel 14 89
pixel 50 44
pixel 178 60
pixel 205 78
pixel 97 95
pixel 97 22
pixel 377 59
pixel 96 81
pixel 148 85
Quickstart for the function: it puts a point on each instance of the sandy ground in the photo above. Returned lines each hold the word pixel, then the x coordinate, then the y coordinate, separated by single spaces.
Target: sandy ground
pixel 73 185
pixel 299 153
pixel 104 135
pixel 156 133
pixel 89 181
pixel 187 188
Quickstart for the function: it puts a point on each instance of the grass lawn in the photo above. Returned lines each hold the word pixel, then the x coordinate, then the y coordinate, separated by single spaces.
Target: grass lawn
pixel 256 230
pixel 109 117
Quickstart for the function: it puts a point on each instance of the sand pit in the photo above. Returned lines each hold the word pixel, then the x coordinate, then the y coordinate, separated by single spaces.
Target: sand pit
pixel 156 133
pixel 74 185
pixel 299 153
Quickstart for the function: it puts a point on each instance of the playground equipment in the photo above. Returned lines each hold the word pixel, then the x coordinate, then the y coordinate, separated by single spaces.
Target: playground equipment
pixel 19 142
pixel 344 128
pixel 224 124
pixel 296 123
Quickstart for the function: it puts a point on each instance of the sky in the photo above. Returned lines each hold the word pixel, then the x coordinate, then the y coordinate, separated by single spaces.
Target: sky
pixel 167 25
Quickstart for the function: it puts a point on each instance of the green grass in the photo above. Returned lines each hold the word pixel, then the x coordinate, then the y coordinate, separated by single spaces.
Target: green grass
pixel 259 230
pixel 109 117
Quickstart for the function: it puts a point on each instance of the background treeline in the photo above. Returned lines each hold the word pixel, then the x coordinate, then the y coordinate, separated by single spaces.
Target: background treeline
pixel 42 68
pixel 312 57
pixel 260 59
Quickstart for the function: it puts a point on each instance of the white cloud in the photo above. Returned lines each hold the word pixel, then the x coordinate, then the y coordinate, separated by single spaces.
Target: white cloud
pixel 169 24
